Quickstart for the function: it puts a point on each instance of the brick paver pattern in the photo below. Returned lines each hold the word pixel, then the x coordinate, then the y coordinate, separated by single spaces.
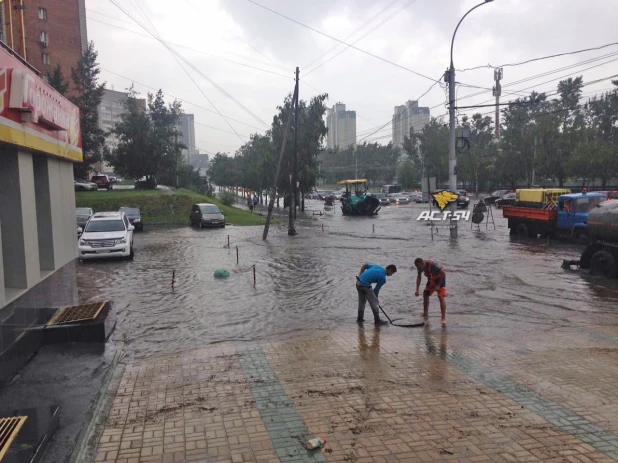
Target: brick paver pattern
pixel 377 395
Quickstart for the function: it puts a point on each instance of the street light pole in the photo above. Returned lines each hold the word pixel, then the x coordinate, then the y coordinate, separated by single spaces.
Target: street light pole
pixel 452 158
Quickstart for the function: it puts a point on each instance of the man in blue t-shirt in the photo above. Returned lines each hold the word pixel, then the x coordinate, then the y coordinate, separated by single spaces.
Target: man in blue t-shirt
pixel 369 275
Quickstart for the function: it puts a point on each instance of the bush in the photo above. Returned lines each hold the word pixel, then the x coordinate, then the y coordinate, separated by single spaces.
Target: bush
pixel 227 198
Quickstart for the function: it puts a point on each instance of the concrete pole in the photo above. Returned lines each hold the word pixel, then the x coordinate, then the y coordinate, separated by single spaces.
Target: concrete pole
pixel 452 158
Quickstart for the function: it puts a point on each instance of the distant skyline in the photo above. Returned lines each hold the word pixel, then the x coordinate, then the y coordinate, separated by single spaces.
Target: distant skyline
pixel 218 35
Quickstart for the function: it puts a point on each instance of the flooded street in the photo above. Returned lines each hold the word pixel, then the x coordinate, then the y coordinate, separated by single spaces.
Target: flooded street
pixel 497 286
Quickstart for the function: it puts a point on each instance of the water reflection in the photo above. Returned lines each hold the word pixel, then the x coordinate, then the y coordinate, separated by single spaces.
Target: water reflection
pixel 438 347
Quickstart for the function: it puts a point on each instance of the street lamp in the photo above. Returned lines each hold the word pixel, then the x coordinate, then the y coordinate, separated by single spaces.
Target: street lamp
pixel 452 159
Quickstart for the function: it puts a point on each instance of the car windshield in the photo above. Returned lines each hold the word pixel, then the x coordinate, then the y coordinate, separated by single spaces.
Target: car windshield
pixel 498 193
pixel 130 210
pixel 210 209
pixel 95 226
pixel 82 211
pixel 380 195
pixel 509 196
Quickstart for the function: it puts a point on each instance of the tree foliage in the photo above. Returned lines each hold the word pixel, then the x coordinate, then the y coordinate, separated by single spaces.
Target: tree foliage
pixel 89 93
pixel 148 142
pixel 56 79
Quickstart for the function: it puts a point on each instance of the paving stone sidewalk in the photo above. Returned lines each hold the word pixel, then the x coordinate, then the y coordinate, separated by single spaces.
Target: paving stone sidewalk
pixel 378 395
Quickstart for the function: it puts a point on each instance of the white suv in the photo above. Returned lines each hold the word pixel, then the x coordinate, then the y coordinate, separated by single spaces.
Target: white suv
pixel 107 234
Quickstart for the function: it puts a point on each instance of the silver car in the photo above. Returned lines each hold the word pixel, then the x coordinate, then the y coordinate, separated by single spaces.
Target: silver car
pixel 83 214
pixel 400 199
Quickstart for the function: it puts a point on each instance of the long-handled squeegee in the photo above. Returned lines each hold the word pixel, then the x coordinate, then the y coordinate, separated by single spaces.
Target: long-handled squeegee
pixel 406 325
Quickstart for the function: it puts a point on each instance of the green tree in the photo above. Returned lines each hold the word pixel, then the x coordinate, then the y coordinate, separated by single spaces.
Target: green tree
pixel 56 79
pixel 474 162
pixel 428 149
pixel 89 93
pixel 407 174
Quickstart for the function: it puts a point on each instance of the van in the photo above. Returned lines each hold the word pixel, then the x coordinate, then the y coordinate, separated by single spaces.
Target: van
pixel 389 189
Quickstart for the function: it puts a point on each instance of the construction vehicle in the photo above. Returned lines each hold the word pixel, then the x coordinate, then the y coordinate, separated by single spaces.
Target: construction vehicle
pixel 601 255
pixel 552 213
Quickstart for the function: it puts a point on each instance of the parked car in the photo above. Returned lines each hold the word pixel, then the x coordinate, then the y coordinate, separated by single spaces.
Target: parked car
pixel 337 194
pixel 83 215
pixel 135 217
pixel 146 182
pixel 494 196
pixel 206 215
pixel 507 200
pixel 107 234
pixel 462 200
pixel 81 185
pixel 401 199
pixel 102 181
pixel 610 194
pixel 417 197
pixel 384 201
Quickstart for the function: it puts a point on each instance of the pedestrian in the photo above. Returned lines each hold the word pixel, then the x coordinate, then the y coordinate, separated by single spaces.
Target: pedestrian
pixel 250 204
pixel 255 200
pixel 370 274
pixel 436 282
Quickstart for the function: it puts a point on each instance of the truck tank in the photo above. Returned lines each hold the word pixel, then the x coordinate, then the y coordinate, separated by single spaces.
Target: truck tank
pixel 603 222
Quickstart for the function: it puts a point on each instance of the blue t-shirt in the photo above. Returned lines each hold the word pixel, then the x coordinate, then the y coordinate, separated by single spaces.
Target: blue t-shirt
pixel 373 274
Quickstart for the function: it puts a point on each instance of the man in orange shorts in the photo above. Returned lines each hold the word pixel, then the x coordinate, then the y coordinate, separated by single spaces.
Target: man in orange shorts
pixel 436 282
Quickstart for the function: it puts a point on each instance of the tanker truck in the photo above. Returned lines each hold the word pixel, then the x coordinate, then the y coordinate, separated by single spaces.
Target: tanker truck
pixel 601 256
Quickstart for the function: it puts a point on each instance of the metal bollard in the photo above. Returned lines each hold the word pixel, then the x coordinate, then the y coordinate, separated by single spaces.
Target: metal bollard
pixel 322 228
pixel 254 276
pixel 237 256
pixel 374 227
pixel 228 241
pixel 173 278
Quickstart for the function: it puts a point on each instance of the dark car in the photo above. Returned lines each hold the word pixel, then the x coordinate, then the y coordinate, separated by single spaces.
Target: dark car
pixel 507 200
pixel 135 217
pixel 494 196
pixel 462 200
pixel 206 215
pixel 102 181
pixel 146 182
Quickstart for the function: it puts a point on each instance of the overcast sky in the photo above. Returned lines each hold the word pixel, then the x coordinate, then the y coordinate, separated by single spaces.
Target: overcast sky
pixel 414 34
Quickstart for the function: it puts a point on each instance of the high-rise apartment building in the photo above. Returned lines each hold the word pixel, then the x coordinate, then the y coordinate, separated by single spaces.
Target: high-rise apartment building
pixel 407 117
pixel 55 32
pixel 186 126
pixel 111 109
pixel 341 127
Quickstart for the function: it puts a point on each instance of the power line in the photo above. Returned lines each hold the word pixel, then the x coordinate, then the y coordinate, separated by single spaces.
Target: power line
pixel 178 55
pixel 177 98
pixel 358 29
pixel 405 110
pixel 193 49
pixel 363 36
pixel 340 41
pixel 539 59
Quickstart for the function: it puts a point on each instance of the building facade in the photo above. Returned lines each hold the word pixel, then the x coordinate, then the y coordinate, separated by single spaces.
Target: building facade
pixel 341 126
pixel 39 142
pixel 408 117
pixel 186 126
pixel 55 32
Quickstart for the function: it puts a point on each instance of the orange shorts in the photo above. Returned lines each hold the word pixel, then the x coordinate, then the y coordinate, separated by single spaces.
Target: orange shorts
pixel 431 288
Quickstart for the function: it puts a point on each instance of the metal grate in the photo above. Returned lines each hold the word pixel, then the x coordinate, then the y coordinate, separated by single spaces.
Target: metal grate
pixel 77 313
pixel 9 427
pixel 102 243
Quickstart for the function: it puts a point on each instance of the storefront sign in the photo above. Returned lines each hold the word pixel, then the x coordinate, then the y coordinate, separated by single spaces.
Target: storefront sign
pixel 35 116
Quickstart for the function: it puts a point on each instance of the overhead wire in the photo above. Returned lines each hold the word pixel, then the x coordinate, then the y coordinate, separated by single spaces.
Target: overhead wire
pixel 340 41
pixel 358 29
pixel 410 2
pixel 197 51
pixel 198 71
pixel 539 59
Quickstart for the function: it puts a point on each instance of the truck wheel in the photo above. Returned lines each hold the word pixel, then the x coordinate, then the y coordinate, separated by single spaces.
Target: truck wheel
pixel 603 264
pixel 512 231
pixel 523 231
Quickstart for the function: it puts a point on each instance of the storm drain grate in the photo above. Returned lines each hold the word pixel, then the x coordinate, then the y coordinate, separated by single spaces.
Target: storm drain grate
pixel 77 313
pixel 9 427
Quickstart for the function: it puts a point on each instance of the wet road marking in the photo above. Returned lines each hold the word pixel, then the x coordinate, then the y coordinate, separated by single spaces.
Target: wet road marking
pixel 557 415
pixel 285 427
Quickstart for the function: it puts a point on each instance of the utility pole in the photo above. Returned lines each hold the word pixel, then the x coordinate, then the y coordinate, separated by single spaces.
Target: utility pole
pixel 497 94
pixel 452 158
pixel 533 163
pixel 271 203
pixel 294 189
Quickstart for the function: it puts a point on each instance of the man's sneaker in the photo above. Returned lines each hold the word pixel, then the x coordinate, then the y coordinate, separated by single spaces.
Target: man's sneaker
pixel 381 322
pixel 360 320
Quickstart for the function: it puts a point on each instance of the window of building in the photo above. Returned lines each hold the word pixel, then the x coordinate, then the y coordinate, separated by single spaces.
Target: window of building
pixel 44 38
pixel 46 58
pixel 42 14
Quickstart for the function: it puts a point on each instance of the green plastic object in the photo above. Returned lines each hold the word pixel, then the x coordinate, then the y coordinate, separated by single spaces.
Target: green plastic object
pixel 221 273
